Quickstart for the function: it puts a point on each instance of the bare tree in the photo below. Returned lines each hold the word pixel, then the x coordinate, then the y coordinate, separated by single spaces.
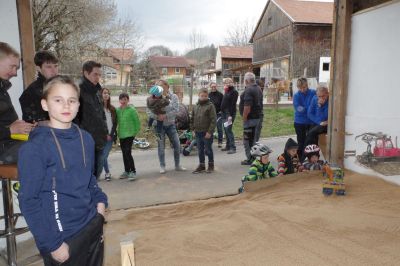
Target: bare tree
pixel 239 32
pixel 71 29
pixel 126 35
pixel 159 50
pixel 196 39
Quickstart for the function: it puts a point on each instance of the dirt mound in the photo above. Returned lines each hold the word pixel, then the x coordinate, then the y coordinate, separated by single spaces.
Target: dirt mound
pixel 290 223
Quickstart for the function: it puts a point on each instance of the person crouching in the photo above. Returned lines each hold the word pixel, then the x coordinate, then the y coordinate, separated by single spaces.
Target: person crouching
pixel 261 167
pixel 289 161
pixel 312 161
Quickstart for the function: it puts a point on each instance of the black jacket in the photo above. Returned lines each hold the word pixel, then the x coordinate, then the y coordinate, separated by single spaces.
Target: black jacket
pixel 30 101
pixel 252 96
pixel 216 99
pixel 7 111
pixel 91 116
pixel 228 104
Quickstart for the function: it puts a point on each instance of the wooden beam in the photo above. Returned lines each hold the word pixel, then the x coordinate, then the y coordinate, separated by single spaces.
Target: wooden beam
pixel 25 23
pixel 127 253
pixel 340 53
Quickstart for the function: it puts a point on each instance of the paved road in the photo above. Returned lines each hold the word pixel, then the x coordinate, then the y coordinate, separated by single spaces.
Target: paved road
pixel 153 188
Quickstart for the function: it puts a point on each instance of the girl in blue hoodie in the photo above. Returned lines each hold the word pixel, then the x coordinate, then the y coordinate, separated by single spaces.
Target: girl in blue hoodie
pixel 59 196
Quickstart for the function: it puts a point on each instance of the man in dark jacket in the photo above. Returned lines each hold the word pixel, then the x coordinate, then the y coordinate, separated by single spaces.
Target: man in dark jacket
pixel 250 110
pixel 91 116
pixel 228 114
pixel 9 123
pixel 216 98
pixel 47 66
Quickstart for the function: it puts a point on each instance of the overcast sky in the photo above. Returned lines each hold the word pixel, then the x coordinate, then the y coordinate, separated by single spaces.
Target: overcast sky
pixel 170 22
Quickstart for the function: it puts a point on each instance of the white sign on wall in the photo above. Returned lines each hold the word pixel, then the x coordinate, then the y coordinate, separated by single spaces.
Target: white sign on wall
pixel 373 100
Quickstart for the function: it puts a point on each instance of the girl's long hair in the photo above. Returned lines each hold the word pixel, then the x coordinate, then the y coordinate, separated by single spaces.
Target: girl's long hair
pixel 108 104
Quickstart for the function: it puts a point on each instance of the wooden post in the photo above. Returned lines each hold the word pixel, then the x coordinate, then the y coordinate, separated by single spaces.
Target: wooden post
pixel 340 53
pixel 127 253
pixel 25 23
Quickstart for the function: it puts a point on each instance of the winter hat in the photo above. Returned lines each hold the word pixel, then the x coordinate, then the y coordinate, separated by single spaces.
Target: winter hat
pixel 291 144
pixel 156 90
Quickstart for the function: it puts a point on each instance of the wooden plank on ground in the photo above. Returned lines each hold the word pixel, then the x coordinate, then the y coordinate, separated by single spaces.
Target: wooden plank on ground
pixel 127 253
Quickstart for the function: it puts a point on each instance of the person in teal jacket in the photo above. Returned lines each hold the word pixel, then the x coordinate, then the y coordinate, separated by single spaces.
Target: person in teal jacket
pixel 128 127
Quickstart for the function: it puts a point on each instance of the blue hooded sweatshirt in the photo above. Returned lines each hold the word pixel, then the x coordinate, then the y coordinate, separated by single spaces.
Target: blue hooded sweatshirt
pixel 59 193
pixel 301 103
pixel 316 113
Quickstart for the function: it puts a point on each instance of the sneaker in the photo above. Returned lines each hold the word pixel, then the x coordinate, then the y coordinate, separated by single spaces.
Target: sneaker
pixel 220 145
pixel 200 169
pixel 224 149
pixel 108 177
pixel 231 152
pixel 162 170
pixel 131 176
pixel 245 162
pixel 124 175
pixel 180 168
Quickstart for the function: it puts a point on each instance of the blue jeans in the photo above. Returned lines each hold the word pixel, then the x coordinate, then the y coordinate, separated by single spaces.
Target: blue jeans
pixel 230 138
pixel 219 128
pixel 99 162
pixel 204 147
pixel 106 152
pixel 173 137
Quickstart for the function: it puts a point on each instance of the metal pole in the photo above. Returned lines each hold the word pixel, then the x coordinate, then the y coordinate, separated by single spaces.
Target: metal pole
pixel 191 91
pixel 9 222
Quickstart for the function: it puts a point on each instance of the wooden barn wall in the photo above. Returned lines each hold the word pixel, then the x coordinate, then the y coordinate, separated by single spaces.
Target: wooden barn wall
pixel 273 35
pixel 359 5
pixel 310 43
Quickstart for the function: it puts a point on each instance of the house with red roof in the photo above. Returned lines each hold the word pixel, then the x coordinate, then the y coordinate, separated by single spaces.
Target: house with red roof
pixel 171 66
pixel 229 58
pixel 290 38
pixel 117 66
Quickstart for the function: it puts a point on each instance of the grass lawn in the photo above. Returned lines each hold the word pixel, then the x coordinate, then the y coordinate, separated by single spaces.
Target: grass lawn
pixel 276 123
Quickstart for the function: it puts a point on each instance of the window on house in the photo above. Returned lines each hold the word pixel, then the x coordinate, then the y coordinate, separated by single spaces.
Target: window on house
pixel 110 73
pixel 269 21
pixel 226 66
pixel 177 70
pixel 164 71
pixel 325 67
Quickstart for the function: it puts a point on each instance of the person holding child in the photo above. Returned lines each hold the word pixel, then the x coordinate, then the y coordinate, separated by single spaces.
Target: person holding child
pixel 203 122
pixel 156 103
pixel 261 167
pixel 169 128
pixel 289 161
pixel 59 196
pixel 128 127
pixel 312 161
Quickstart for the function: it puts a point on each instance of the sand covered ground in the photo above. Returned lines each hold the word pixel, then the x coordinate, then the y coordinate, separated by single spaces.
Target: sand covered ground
pixel 290 223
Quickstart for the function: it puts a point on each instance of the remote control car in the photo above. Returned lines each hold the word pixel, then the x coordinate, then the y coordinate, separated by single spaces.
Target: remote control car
pixel 334 180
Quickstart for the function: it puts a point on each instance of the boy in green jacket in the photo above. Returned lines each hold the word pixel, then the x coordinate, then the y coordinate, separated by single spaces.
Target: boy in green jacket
pixel 203 124
pixel 128 127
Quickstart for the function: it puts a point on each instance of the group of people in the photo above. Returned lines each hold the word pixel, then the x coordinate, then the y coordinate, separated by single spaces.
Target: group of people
pixel 72 130
pixel 311 120
pixel 58 195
